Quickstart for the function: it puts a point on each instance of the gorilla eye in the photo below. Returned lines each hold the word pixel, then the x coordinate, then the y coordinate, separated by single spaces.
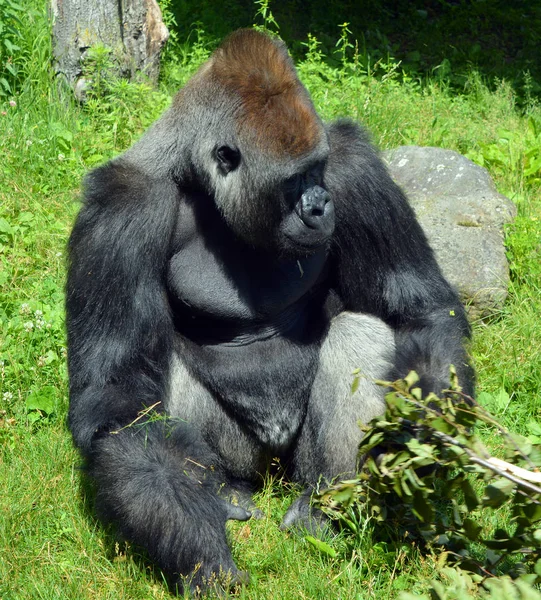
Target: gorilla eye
pixel 228 159
pixel 293 185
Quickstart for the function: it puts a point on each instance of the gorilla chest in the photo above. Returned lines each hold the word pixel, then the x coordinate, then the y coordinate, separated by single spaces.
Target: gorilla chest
pixel 235 285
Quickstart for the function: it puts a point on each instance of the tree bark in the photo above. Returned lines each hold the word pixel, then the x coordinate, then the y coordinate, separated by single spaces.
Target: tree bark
pixel 132 29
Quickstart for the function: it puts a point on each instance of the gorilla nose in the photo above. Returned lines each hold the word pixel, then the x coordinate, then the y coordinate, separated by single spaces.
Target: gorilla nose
pixel 313 203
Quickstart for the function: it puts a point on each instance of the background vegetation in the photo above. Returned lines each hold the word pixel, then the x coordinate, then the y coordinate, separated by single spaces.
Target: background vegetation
pixel 469 80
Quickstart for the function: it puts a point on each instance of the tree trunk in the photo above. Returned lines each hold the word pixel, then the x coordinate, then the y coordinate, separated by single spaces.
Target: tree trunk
pixel 132 29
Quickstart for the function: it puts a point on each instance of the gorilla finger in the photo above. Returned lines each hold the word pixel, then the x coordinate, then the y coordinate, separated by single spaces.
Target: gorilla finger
pixel 228 582
pixel 303 517
pixel 236 513
pixel 257 514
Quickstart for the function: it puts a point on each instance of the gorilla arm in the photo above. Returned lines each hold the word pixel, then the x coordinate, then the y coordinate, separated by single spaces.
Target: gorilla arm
pixel 385 266
pixel 119 327
pixel 120 339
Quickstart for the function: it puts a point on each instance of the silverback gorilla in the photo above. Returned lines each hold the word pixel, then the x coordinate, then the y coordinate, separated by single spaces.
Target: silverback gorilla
pixel 230 271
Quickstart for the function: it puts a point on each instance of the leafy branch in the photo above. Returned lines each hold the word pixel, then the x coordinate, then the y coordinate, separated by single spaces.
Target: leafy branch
pixel 425 473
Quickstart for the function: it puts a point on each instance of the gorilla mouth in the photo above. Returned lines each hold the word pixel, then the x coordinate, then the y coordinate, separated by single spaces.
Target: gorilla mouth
pixel 309 233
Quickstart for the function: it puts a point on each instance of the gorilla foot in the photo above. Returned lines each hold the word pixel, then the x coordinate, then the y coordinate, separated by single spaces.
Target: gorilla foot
pixel 236 512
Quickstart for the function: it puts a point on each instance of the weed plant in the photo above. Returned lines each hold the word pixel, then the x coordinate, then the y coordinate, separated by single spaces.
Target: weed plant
pixel 50 543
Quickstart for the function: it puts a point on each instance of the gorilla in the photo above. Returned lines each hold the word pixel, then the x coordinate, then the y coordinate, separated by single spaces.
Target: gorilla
pixel 227 274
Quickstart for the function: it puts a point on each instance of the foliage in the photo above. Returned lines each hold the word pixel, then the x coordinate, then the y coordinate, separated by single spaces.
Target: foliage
pixel 459 585
pixel 431 39
pixel 265 15
pixel 522 155
pixel 426 475
pixel 11 13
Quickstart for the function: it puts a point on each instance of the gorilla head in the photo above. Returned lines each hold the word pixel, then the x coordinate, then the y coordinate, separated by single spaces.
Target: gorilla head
pixel 260 144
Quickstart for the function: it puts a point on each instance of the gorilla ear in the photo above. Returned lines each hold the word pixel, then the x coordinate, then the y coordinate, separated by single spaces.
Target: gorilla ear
pixel 228 158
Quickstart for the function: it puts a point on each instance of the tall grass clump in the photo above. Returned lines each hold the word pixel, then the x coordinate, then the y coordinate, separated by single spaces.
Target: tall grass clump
pixel 50 543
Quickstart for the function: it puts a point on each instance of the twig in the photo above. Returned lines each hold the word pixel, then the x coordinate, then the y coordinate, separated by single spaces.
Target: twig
pixel 141 414
pixel 499 467
pixel 518 471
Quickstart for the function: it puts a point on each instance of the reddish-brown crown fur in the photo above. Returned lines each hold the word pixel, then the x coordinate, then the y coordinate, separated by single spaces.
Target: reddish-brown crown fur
pixel 275 107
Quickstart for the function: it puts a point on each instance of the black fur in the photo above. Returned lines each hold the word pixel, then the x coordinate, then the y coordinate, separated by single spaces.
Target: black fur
pixel 212 297
pixel 395 276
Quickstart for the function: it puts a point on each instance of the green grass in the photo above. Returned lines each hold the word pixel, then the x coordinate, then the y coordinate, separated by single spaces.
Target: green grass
pixel 51 546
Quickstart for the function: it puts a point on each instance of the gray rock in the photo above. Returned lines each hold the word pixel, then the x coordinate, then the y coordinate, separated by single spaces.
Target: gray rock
pixel 463 216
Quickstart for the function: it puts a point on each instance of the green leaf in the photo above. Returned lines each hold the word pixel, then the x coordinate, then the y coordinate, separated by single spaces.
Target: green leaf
pixel 371 440
pixel 344 495
pixel 5 227
pixel 94 159
pixel 422 450
pixel 323 547
pixel 472 529
pixel 533 167
pixel 12 69
pixel 422 508
pixel 26 217
pixel 535 454
pixel 50 357
pixel 524 445
pixel 470 497
pixel 42 401
pixel 506 546
pixel 498 492
pixel 411 378
pixel 532 127
pixel 11 48
pixel 443 425
pixel 534 427
pixel 466 417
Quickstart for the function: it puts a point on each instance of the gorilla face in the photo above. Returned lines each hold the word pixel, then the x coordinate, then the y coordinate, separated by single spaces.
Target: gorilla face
pixel 280 205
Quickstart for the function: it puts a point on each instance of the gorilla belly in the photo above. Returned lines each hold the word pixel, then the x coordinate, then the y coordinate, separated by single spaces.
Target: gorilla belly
pixel 264 385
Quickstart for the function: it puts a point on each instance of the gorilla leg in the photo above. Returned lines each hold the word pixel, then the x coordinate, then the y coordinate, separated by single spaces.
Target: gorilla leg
pixel 242 459
pixel 327 446
pixel 158 481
